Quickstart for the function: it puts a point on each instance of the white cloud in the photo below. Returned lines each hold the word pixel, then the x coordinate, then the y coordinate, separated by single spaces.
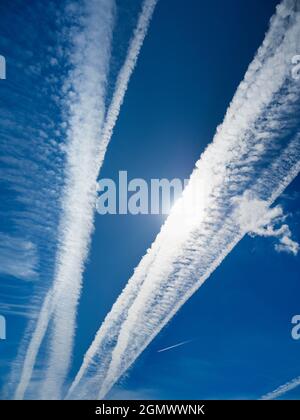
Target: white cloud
pixel 18 257
pixel 85 91
pixel 84 112
pixel 282 389
pixel 247 153
pixel 127 394
pixel 256 218
pixel 287 244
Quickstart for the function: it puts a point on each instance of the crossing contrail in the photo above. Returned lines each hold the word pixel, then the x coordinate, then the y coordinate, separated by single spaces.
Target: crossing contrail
pixel 252 159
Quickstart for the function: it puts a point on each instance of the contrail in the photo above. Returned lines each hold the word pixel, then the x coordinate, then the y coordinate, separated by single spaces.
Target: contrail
pixel 64 302
pixel 253 157
pixel 84 103
pixel 281 390
pixel 174 346
pixel 125 73
pixel 61 351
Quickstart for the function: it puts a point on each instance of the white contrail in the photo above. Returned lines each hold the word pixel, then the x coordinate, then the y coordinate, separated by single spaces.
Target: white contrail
pixel 125 73
pixel 34 345
pixel 65 301
pixel 84 103
pixel 255 152
pixel 174 346
pixel 61 350
pixel 281 390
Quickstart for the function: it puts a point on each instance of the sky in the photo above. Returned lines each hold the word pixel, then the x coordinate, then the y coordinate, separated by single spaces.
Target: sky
pixel 237 325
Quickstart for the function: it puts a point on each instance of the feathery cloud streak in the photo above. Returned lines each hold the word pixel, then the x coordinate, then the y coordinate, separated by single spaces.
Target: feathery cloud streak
pixel 256 150
pixel 18 257
pixel 281 390
pixel 63 301
pixel 84 104
pixel 174 346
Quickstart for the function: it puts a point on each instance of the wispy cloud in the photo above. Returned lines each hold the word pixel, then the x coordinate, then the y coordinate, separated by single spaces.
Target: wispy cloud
pixel 128 394
pixel 18 257
pixel 84 103
pixel 281 390
pixel 85 117
pixel 174 346
pixel 31 165
pixel 257 148
pixel 125 73
pixel 85 113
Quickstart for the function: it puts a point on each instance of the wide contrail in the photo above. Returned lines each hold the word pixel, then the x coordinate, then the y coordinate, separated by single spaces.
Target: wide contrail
pixel 252 159
pixel 281 390
pixel 62 302
pixel 174 346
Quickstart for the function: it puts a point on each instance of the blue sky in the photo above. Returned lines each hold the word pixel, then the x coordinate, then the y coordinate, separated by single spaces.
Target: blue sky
pixel 193 58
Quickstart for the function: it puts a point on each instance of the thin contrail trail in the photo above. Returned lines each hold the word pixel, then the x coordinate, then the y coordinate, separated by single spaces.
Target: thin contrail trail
pixel 31 158
pixel 125 73
pixel 253 157
pixel 281 390
pixel 61 348
pixel 174 346
pixel 84 104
